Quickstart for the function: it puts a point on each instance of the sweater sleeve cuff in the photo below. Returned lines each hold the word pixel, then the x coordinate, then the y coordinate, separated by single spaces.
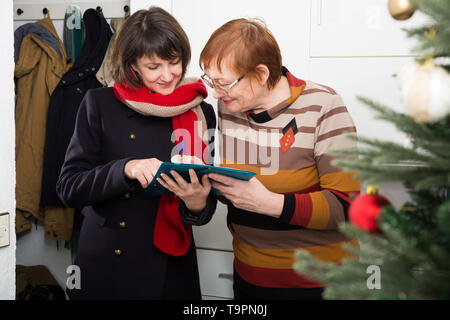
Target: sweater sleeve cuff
pixel 288 208
pixel 198 219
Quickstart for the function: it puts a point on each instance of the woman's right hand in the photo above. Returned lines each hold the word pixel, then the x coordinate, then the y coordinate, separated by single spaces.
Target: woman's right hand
pixel 143 170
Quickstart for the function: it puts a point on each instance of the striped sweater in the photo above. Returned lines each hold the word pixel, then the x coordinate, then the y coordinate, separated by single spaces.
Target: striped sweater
pixel 316 193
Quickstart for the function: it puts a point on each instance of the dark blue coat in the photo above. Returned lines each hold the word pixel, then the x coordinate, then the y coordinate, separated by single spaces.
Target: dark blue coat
pixel 115 252
pixel 65 101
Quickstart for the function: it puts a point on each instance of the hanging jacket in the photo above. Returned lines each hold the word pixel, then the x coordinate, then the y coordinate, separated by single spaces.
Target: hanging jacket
pixel 104 74
pixel 37 72
pixel 66 98
pixel 73 33
pixel 39 31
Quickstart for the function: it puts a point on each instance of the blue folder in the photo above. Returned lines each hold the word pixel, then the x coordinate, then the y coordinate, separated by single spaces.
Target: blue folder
pixel 156 189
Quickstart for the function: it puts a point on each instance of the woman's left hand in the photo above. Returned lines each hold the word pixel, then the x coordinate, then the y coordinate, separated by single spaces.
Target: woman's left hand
pixel 249 195
pixel 193 194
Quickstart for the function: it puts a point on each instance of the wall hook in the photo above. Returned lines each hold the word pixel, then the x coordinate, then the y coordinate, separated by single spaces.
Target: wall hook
pixel 19 11
pixel 45 11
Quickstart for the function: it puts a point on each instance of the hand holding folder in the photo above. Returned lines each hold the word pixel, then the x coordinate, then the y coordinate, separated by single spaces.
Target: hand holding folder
pixel 156 189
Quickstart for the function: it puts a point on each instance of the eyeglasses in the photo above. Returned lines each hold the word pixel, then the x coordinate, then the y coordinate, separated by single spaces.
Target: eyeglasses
pixel 225 88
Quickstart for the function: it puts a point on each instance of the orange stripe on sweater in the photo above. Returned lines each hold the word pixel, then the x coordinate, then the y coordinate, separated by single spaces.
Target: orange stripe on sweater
pixel 283 181
pixel 340 181
pixel 284 258
pixel 273 278
pixel 320 211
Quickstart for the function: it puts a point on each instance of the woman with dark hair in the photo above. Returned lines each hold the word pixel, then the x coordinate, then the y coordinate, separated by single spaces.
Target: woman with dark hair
pixel 133 246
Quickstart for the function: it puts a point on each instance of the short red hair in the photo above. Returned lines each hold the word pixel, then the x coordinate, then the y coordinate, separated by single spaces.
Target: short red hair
pixel 248 43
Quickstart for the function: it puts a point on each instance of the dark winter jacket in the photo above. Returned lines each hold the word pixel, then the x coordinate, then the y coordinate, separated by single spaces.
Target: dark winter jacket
pixel 66 99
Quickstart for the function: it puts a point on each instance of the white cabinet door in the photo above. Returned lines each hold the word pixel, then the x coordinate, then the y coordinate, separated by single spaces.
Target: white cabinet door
pixel 288 20
pixel 371 78
pixel 216 271
pixel 359 28
pixel 215 234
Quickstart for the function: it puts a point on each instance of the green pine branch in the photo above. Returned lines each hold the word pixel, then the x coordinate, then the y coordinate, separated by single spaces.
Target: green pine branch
pixel 421 131
pixel 439 12
pixel 424 166
pixel 406 271
pixel 413 249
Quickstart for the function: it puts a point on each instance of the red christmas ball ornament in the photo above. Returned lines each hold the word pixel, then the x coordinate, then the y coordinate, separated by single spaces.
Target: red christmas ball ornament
pixel 365 209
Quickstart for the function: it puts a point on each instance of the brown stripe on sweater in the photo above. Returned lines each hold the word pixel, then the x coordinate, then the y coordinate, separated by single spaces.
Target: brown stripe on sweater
pixel 276 110
pixel 340 141
pixel 337 121
pixel 314 90
pixel 330 90
pixel 334 133
pixel 235 116
pixel 270 130
pixel 254 131
pixel 336 210
pixel 304 140
pixel 330 113
pixel 287 239
pixel 324 166
pixel 246 123
pixel 300 113
pixel 307 129
pixel 232 118
pixel 294 111
pixel 266 157
pixel 281 107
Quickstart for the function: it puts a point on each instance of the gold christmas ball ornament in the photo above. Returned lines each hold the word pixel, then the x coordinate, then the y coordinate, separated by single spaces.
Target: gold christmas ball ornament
pixel 401 9
pixel 425 90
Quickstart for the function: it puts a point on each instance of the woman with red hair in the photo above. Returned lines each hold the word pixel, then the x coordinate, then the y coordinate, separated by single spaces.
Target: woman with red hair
pixel 280 127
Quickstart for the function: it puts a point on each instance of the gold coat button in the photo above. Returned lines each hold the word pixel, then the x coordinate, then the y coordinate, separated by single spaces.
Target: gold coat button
pixel 122 224
pixel 127 195
pixel 132 136
pixel 118 252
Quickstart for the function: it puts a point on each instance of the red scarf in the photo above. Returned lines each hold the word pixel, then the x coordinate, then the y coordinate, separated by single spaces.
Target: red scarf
pixel 171 235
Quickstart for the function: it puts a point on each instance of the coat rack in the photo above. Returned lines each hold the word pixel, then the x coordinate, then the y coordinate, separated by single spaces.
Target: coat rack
pixel 57 11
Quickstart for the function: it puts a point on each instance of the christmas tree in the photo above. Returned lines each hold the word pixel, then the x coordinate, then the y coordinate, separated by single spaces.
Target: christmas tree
pixel 405 252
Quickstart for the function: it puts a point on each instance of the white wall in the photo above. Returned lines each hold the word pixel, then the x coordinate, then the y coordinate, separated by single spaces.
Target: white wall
pixel 7 137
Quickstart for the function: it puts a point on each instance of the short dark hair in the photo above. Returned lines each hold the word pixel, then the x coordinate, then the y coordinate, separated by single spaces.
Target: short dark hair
pixel 147 33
